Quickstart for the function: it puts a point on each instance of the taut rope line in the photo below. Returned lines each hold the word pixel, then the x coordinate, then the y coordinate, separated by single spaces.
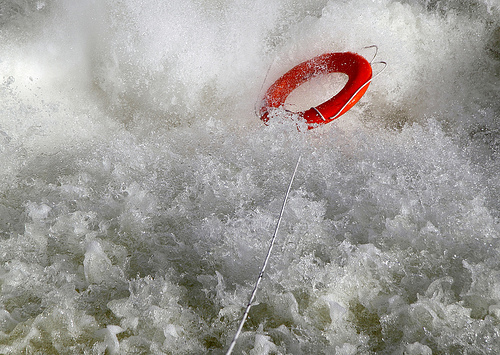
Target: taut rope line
pixel 264 265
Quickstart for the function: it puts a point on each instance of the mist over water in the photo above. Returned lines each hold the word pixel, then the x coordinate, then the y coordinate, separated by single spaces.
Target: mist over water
pixel 139 190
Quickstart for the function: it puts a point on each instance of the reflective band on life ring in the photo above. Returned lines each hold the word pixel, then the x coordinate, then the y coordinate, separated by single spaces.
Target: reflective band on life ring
pixel 355 66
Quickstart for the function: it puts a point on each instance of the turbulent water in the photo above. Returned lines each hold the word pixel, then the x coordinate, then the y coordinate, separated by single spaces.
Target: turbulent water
pixel 139 190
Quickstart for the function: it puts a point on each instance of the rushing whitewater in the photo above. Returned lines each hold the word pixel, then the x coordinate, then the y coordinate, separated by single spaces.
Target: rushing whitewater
pixel 139 190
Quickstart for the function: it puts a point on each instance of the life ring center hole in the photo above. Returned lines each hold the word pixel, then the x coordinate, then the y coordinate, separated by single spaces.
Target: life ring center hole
pixel 315 91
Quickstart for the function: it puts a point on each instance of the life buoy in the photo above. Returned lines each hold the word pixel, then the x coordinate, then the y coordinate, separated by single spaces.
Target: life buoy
pixel 355 66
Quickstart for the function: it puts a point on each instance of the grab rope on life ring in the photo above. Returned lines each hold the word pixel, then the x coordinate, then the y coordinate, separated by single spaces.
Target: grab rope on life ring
pixel 355 66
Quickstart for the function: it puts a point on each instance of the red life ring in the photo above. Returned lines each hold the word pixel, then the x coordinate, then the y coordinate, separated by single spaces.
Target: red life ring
pixel 355 66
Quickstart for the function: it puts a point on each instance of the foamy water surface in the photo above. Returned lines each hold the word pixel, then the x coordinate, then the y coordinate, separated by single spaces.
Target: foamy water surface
pixel 139 190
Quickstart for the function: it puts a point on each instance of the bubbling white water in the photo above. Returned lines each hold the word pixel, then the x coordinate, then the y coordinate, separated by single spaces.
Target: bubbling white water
pixel 138 189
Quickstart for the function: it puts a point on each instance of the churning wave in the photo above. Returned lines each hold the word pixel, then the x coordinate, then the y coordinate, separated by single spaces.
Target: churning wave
pixel 139 190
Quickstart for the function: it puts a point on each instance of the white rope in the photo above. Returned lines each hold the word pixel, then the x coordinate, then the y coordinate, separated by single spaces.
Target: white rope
pixel 376 51
pixel 319 113
pixel 266 260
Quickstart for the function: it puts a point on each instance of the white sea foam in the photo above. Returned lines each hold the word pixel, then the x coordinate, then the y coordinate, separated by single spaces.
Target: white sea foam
pixel 139 191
